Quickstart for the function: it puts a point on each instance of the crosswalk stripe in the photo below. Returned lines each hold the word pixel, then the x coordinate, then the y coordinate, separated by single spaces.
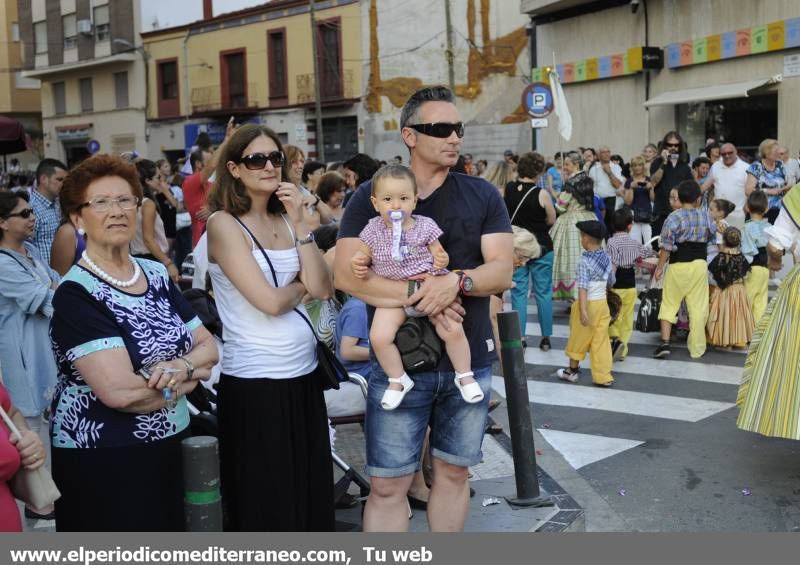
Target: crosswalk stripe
pixel 685 370
pixel 584 449
pixel 637 338
pixel 620 401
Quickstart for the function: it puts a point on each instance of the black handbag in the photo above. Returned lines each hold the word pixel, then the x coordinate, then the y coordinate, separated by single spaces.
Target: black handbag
pixel 419 345
pixel 647 317
pixel 330 370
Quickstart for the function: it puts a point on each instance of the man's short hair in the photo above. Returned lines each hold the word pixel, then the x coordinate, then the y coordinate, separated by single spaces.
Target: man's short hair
pixel 688 192
pixel 197 158
pixel 47 168
pixel 428 94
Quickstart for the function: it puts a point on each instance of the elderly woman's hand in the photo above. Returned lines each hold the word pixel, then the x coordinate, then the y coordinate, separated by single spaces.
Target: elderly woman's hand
pixel 168 374
pixel 31 450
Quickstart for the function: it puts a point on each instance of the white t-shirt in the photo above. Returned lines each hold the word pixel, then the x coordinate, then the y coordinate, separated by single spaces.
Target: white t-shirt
pixel 729 182
pixel 602 184
pixel 792 168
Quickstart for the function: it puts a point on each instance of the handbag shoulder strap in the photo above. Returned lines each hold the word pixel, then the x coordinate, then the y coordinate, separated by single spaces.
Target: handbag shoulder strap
pixel 11 426
pixel 4 252
pixel 514 215
pixel 274 275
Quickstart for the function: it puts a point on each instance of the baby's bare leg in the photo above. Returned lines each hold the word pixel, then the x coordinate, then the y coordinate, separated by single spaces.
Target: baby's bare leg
pixel 385 324
pixel 457 346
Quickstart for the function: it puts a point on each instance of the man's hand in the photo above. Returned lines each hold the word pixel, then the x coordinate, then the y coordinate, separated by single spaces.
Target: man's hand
pixel 203 213
pixel 435 294
pixel 584 317
pixel 659 273
pixel 607 167
pixel 359 264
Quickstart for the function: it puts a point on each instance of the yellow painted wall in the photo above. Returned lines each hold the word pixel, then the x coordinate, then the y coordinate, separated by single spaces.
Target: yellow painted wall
pixel 13 99
pixel 203 51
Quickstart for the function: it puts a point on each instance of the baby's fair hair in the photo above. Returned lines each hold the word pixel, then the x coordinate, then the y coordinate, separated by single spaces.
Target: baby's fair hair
pixel 526 242
pixel 724 206
pixel 732 237
pixel 393 172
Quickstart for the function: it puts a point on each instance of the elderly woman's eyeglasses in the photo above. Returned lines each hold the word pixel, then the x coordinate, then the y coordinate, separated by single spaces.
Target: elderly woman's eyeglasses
pixel 24 214
pixel 104 204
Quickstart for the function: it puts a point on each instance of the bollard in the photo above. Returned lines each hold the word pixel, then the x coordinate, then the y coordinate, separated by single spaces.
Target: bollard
pixel 519 414
pixel 202 503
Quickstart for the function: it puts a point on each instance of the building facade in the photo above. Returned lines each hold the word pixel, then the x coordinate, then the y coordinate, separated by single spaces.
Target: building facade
pixel 731 70
pixel 405 46
pixel 19 96
pixel 88 56
pixel 257 66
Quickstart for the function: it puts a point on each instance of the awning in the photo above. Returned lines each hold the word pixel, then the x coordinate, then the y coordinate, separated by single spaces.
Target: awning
pixel 716 92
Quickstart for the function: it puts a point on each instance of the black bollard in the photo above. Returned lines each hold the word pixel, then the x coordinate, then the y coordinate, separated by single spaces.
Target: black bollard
pixel 519 414
pixel 202 503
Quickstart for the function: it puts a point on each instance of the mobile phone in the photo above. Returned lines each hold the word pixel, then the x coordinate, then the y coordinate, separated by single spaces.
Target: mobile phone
pixel 642 184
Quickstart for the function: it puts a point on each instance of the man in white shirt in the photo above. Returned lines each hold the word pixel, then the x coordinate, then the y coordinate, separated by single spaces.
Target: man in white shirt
pixel 790 165
pixel 728 176
pixel 608 179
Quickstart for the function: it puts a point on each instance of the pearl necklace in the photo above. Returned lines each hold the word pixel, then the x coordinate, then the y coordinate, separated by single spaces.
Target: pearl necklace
pixel 108 278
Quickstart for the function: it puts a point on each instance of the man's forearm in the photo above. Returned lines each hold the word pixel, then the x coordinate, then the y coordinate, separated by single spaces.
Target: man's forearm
pixel 374 290
pixel 491 278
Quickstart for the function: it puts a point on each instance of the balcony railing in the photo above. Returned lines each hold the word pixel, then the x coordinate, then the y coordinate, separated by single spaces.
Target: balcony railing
pixel 208 99
pixel 342 89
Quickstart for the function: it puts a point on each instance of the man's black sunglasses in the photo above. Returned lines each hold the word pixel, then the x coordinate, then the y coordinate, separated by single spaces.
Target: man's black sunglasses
pixel 257 161
pixel 440 130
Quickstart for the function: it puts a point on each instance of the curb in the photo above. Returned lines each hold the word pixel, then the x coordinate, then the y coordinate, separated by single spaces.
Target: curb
pixel 570 516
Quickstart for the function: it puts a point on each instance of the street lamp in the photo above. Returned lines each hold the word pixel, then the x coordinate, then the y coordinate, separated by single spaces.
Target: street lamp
pixel 141 50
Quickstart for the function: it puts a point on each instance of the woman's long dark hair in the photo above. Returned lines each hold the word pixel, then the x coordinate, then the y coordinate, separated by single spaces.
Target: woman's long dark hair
pixel 229 193
pixel 581 186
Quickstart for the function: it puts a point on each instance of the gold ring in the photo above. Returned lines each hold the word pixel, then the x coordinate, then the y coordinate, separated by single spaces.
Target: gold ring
pixel 172 383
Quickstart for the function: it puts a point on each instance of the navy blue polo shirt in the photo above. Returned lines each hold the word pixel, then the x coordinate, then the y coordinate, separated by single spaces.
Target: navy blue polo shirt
pixel 465 208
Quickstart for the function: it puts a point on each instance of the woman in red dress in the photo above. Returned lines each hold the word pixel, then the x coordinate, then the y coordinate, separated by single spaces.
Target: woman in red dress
pixel 27 451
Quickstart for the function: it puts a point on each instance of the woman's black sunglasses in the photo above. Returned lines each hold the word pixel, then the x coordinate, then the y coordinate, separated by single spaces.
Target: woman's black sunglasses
pixel 24 214
pixel 257 161
pixel 440 130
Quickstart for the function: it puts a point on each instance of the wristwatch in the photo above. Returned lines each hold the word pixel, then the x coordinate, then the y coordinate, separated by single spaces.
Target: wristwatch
pixel 189 368
pixel 307 239
pixel 465 283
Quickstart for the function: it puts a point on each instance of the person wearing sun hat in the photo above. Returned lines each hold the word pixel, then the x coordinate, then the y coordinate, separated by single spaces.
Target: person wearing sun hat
pixel 590 315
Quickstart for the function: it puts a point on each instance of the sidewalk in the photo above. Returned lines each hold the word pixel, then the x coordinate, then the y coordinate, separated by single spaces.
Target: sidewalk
pixel 493 478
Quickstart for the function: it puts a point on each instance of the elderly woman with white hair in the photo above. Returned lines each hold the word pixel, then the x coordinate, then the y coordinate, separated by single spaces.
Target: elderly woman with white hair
pixel 767 173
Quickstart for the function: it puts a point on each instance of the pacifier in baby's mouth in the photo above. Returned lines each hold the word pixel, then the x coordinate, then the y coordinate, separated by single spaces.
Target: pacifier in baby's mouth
pixel 397 232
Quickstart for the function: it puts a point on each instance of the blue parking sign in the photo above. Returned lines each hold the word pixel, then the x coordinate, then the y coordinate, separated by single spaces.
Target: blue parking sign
pixel 537 99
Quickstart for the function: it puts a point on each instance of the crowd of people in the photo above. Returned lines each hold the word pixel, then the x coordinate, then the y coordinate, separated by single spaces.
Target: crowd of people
pixel 97 338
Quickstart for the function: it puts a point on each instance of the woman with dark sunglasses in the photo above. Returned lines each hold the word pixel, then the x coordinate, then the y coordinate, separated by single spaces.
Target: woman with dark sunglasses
pixel 274 444
pixel 27 285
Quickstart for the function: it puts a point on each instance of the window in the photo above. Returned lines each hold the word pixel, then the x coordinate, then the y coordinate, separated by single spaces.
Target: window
pixel 330 59
pixel 276 45
pixel 167 88
pixel 40 36
pixel 60 98
pixel 121 89
pixel 14 31
pixel 101 27
pixel 234 84
pixel 70 31
pixel 87 99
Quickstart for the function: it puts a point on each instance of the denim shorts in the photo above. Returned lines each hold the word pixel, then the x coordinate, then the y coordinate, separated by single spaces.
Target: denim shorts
pixel 395 437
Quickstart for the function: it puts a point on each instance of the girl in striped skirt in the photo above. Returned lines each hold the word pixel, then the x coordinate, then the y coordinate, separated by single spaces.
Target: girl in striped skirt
pixel 769 396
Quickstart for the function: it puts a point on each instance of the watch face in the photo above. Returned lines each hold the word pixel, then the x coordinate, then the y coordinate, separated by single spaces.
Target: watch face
pixel 466 284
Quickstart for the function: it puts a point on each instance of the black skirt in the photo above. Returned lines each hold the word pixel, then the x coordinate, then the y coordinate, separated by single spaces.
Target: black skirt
pixel 135 488
pixel 275 455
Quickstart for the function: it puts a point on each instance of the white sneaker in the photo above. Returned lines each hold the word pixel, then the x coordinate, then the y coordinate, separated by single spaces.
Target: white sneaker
pixel 569 374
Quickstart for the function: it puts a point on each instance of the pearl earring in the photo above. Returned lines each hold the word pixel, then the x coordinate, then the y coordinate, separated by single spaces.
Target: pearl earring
pixel 81 232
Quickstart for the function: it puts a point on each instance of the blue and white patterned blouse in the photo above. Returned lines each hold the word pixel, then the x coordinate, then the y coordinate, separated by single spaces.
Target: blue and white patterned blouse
pixel 776 178
pixel 89 316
